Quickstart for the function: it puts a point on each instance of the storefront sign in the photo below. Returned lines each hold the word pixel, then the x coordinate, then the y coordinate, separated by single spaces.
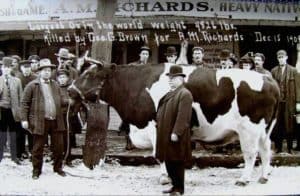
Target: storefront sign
pixel 44 10
pixel 41 10
pixel 235 9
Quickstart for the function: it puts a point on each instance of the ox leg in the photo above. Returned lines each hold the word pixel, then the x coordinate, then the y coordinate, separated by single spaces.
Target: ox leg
pixel 249 147
pixel 126 128
pixel 265 155
pixel 164 177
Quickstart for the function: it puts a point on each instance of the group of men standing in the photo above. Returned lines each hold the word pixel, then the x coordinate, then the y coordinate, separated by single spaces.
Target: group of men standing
pixel 33 102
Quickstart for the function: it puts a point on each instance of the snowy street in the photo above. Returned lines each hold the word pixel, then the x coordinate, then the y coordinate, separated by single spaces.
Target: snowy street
pixel 114 179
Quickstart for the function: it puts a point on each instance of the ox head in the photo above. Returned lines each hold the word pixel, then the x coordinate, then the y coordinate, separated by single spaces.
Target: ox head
pixel 87 87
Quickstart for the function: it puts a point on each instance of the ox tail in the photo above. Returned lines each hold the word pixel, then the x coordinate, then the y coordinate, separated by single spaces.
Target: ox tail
pixel 273 121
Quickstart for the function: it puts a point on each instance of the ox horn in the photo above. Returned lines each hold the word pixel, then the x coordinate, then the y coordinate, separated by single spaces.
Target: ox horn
pixel 93 61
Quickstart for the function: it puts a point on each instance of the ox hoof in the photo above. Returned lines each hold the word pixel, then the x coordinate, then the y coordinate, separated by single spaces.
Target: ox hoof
pixel 164 179
pixel 242 183
pixel 263 180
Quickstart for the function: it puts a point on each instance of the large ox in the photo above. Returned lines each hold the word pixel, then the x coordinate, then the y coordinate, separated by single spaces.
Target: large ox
pixel 230 104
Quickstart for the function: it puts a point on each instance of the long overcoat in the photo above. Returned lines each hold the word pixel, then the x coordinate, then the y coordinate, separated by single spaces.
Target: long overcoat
pixel 292 94
pixel 173 116
pixel 32 106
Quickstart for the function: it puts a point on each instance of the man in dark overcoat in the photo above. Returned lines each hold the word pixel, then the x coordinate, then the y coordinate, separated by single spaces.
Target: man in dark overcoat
pixel 287 79
pixel 173 129
pixel 41 114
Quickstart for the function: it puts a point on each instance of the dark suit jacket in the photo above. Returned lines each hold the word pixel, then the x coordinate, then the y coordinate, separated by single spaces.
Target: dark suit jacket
pixel 292 93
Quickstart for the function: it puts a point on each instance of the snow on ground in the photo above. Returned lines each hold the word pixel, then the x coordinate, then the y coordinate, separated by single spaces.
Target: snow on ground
pixel 114 179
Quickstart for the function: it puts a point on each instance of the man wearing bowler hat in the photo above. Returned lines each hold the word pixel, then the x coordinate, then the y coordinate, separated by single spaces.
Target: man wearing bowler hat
pixel 173 129
pixel 41 115
pixel 144 56
pixel 25 75
pixel 227 59
pixel 287 79
pixel 10 98
pixel 171 54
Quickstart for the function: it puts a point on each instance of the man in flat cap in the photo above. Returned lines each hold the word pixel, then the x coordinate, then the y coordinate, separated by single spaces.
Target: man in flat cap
pixel 11 92
pixel 259 59
pixel 144 56
pixel 198 54
pixel 173 129
pixel 41 114
pixel 34 62
pixel 286 77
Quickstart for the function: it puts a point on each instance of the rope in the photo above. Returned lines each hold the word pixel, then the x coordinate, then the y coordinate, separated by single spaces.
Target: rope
pixel 68 133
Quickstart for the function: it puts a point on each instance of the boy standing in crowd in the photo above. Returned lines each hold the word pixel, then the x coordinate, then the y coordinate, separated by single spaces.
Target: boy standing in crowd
pixel 64 82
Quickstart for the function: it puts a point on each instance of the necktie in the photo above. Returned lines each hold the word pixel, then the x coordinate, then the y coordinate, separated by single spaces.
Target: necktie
pixel 280 73
pixel 7 84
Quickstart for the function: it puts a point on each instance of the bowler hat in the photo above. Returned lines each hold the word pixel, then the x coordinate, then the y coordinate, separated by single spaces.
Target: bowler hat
pixel 281 53
pixel 25 63
pixel 226 54
pixel 145 48
pixel 171 50
pixel 175 70
pixel 7 61
pixel 46 63
pixel 62 72
pixel 198 48
pixel 63 53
